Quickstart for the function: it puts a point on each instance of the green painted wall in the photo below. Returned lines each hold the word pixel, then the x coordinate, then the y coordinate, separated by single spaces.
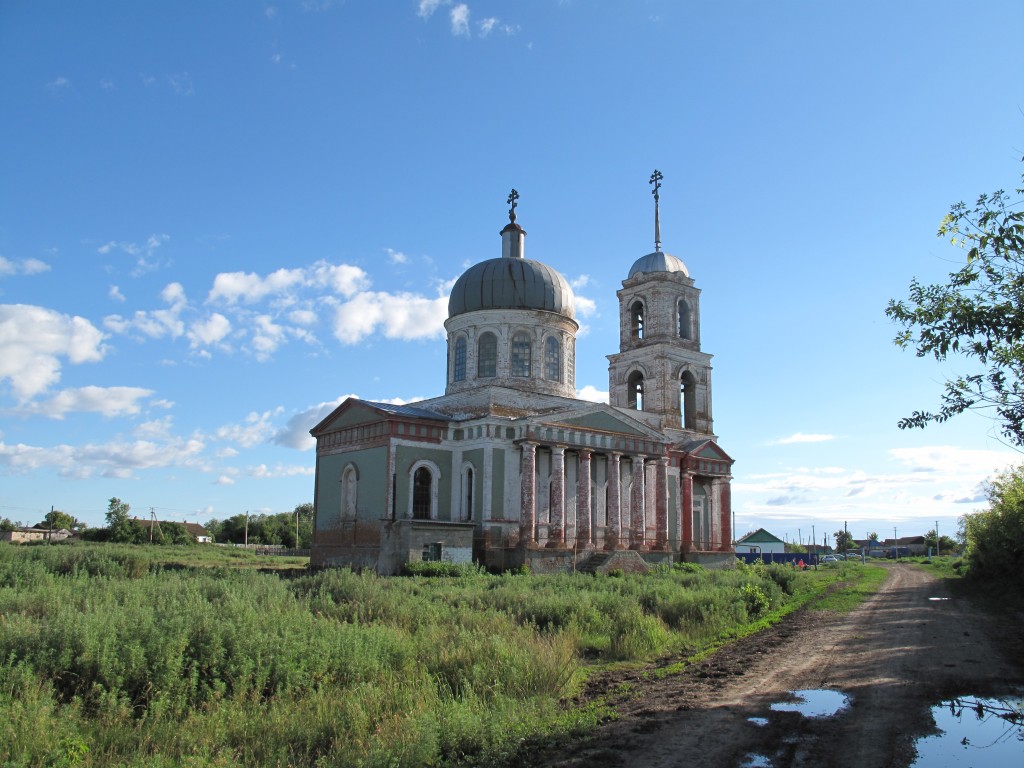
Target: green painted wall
pixel 476 458
pixel 356 414
pixel 371 463
pixel 498 508
pixel 605 422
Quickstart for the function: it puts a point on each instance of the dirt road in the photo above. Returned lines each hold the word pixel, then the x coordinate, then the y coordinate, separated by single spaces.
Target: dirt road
pixel 894 657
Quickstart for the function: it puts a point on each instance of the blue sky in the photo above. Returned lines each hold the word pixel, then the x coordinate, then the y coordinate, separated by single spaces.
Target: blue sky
pixel 219 219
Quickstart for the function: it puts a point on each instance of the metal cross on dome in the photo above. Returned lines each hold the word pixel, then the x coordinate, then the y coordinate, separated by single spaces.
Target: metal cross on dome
pixel 655 180
pixel 512 197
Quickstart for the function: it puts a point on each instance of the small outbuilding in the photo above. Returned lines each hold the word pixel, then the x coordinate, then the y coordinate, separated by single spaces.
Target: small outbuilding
pixel 761 541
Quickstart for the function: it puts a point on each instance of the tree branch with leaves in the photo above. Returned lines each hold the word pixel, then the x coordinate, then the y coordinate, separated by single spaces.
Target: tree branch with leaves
pixel 978 314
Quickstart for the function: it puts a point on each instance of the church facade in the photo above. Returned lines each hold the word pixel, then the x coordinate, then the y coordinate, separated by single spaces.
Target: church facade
pixel 509 468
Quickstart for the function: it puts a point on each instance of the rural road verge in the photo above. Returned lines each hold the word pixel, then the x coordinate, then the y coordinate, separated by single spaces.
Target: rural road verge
pixel 906 649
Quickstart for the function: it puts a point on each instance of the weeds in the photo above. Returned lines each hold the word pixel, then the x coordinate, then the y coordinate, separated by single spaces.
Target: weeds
pixel 112 655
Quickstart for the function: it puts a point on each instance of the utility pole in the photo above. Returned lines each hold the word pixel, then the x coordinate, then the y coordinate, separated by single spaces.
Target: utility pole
pixel 896 542
pixel 936 538
pixel 154 522
pixel 814 541
pixel 246 540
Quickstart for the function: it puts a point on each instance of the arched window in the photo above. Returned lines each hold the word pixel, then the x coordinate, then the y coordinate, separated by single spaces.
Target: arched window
pixel 688 400
pixel 520 359
pixel 422 493
pixel 487 356
pixel 552 359
pixel 685 331
pixel 349 493
pixel 636 315
pixel 635 391
pixel 459 371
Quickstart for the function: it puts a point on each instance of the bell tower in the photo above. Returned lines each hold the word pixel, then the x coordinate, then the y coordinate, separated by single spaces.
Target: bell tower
pixel 659 369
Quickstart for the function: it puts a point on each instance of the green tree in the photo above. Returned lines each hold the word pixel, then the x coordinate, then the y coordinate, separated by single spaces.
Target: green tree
pixel 976 315
pixel 175 533
pixel 304 512
pixel 946 545
pixel 844 540
pixel 120 524
pixel 55 519
pixel 995 536
pixel 6 524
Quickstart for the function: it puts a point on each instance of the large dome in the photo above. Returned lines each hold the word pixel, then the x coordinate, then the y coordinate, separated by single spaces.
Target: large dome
pixel 506 283
pixel 657 262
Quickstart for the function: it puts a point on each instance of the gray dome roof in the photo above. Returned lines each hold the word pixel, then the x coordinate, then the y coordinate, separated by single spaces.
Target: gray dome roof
pixel 657 262
pixel 509 283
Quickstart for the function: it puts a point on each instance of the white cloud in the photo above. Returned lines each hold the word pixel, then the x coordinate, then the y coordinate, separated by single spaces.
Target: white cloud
pixel 155 429
pixel 947 460
pixel 427 7
pixel 585 307
pixel 107 401
pixel 256 429
pixel 145 255
pixel 157 323
pixel 210 331
pixel 460 20
pixel 224 480
pixel 263 472
pixel 59 85
pixel 486 25
pixel 248 287
pixel 397 257
pixel 115 294
pixel 402 316
pixel 799 437
pixel 302 316
pixel 593 394
pixel 32 341
pixel 295 434
pixel 114 459
pixel 22 267
pixel 182 84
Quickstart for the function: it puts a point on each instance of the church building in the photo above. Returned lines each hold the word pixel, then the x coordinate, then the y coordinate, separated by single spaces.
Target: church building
pixel 509 468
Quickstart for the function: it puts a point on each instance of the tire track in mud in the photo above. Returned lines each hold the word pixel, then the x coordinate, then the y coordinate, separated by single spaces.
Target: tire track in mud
pixel 893 657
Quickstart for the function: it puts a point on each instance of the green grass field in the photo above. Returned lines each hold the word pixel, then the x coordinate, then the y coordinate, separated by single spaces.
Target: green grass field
pixel 157 656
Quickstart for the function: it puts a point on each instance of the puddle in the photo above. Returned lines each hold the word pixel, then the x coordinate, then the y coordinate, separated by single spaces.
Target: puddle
pixel 974 731
pixel 761 721
pixel 937 599
pixel 755 761
pixel 814 703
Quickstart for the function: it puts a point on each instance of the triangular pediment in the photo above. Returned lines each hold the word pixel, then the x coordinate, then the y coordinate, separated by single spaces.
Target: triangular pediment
pixel 704 449
pixel 354 412
pixel 599 418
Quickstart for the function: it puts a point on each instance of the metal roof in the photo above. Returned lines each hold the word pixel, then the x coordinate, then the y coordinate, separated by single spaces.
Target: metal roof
pixel 659 261
pixel 407 410
pixel 511 283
